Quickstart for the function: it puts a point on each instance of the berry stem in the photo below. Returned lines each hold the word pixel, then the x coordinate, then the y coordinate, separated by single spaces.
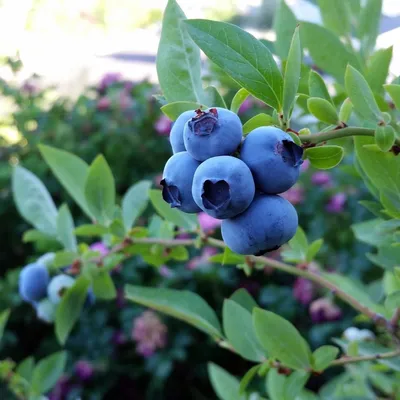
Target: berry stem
pixel 372 357
pixel 336 134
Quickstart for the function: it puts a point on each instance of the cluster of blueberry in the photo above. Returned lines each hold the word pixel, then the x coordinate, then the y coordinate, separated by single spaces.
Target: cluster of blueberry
pixel 44 293
pixel 234 179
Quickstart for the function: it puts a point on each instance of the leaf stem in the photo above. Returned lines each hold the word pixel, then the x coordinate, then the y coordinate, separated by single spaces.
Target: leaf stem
pixel 336 134
pixel 372 357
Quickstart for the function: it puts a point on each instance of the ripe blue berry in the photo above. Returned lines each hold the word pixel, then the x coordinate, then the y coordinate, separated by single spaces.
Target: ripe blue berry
pixel 273 158
pixel 33 281
pixel 57 286
pixel 177 182
pixel 176 134
pixel 223 187
pixel 213 132
pixel 267 224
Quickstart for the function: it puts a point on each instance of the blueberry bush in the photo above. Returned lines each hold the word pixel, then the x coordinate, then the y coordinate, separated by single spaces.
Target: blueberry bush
pixel 341 115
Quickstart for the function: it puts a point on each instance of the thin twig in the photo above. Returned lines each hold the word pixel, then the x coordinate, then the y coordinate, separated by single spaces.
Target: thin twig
pixel 372 357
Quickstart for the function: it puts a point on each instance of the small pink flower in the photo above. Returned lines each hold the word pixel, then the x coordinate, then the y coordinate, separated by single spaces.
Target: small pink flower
pixel 198 261
pixel 163 125
pixel 246 105
pixel 29 87
pixel 84 370
pixel 103 103
pixel 109 79
pixel 125 100
pixel 149 333
pixel 295 194
pixel 100 247
pixel 303 291
pixel 321 178
pixel 323 309
pixel 336 203
pixel 165 272
pixel 208 223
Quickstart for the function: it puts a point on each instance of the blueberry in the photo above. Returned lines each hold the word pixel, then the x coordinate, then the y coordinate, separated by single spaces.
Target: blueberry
pixel 57 286
pixel 176 134
pixel 177 182
pixel 213 132
pixel 267 224
pixel 223 187
pixel 33 281
pixel 273 158
pixel 45 310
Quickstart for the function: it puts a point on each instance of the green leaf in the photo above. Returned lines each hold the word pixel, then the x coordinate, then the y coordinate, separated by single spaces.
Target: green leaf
pixel 175 109
pixel 284 26
pixel 239 98
pixel 244 299
pixel 32 235
pixel 368 28
pixel 276 384
pixel 394 93
pixel 184 305
pixel 25 368
pixel 345 110
pixel 382 169
pixel 64 258
pixel 135 202
pixel 244 58
pixel 324 157
pixel 33 201
pixel 392 302
pixel 313 249
pixel 71 172
pixel 224 384
pixel 298 247
pixel 361 96
pixel 295 383
pixel 335 16
pixel 323 356
pixel 69 309
pixel 65 229
pixel 214 97
pixel 178 59
pixel 323 110
pixel 91 230
pixel 257 121
pixel 247 378
pixel 373 206
pixel 100 191
pixel 47 372
pixel 183 220
pixel 239 330
pixel 385 137
pixel 317 87
pixel 3 321
pixel 103 286
pixel 378 69
pixel 387 257
pixel 228 257
pixel 369 232
pixel 326 50
pixel 292 75
pixel 281 339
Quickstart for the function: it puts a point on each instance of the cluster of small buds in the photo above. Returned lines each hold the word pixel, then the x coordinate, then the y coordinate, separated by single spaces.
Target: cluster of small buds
pixel 207 222
pixel 336 203
pixel 323 309
pixel 202 259
pixel 295 194
pixel 149 333
pixel 321 178
pixel 163 125
pixel 303 291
